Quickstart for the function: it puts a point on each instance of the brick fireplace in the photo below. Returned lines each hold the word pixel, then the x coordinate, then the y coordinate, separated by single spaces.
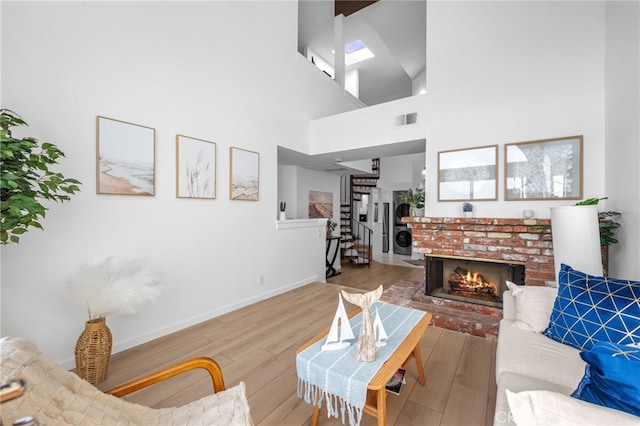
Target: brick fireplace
pixel 525 241
pixel 522 242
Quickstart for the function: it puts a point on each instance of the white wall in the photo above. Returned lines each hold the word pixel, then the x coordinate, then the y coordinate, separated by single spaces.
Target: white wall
pixel 623 133
pixel 497 73
pixel 227 72
pixel 514 72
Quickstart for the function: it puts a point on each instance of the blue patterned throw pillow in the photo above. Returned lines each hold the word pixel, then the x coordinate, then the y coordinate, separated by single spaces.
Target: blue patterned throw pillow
pixel 611 377
pixel 589 309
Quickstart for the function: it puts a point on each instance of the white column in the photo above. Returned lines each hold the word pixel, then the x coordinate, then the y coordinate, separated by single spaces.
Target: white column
pixel 338 39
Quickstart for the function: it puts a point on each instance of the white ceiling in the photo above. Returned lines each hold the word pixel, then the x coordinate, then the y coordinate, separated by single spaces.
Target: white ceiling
pixel 395 31
pixel 346 162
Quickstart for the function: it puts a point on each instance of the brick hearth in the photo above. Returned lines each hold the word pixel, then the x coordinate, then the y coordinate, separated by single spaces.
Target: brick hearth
pixel 468 318
pixel 509 240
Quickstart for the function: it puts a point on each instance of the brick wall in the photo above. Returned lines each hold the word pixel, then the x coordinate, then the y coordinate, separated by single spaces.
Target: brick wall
pixel 519 240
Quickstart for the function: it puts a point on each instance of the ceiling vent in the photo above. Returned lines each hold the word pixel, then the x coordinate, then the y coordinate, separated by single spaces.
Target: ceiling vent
pixel 406 119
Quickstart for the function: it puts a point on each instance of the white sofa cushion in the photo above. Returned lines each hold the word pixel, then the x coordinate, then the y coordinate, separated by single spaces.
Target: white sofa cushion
pixel 552 408
pixel 518 383
pixel 536 355
pixel 533 306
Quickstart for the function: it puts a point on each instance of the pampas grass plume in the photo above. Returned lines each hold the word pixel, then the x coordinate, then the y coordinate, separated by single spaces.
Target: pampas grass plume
pixel 111 286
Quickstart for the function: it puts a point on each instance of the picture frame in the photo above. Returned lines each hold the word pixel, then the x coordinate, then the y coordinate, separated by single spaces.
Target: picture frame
pixel 546 169
pixel 195 168
pixel 244 174
pixel 125 158
pixel 468 174
pixel 320 204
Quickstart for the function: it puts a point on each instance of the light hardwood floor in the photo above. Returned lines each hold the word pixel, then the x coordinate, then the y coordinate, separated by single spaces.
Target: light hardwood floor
pixel 257 345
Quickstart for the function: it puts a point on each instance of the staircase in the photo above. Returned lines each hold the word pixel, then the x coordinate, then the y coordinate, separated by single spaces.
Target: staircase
pixel 355 240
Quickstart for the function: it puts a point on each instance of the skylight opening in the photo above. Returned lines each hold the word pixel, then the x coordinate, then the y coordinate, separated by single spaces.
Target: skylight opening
pixel 355 52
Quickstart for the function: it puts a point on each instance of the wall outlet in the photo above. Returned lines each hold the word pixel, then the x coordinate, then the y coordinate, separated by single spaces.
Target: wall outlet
pixel 261 280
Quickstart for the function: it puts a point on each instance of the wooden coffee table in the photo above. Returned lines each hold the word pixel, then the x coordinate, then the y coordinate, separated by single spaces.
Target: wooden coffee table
pixel 376 403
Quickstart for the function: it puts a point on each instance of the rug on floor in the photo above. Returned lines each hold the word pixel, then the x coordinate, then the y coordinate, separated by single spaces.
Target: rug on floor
pixel 468 318
pixel 415 262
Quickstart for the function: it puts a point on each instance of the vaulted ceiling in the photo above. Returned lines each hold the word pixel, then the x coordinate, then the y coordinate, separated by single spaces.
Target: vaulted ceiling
pixel 394 30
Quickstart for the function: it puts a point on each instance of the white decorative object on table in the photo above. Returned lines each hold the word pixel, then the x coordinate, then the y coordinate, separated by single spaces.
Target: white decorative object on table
pixel 340 330
pixel 366 349
pixel 379 331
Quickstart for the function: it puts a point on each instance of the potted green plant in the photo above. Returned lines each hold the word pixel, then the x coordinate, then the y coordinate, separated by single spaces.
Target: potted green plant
pixel 26 180
pixel 415 199
pixel 331 226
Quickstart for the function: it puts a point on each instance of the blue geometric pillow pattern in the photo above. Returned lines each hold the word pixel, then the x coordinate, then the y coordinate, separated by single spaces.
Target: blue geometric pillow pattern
pixel 611 377
pixel 589 309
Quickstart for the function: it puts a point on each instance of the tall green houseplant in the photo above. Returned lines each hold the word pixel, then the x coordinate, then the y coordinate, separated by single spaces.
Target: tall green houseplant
pixel 26 180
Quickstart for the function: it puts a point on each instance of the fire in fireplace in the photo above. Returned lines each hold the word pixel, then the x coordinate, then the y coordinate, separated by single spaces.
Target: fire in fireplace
pixel 470 280
pixel 472 284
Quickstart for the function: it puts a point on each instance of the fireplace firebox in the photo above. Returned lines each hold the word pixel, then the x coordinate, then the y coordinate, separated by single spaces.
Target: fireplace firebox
pixel 470 280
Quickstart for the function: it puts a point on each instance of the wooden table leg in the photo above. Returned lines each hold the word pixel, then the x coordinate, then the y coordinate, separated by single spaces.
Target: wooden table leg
pixel 316 415
pixel 382 407
pixel 418 358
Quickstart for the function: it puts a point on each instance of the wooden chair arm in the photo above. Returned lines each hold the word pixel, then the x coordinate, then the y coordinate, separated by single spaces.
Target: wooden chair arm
pixel 202 362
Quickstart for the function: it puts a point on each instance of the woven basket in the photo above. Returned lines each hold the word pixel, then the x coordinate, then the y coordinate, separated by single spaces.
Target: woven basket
pixel 93 351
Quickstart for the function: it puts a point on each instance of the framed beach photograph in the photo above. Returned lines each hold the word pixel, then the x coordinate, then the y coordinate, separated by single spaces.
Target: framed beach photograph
pixel 547 169
pixel 244 175
pixel 468 174
pixel 125 157
pixel 320 204
pixel 195 168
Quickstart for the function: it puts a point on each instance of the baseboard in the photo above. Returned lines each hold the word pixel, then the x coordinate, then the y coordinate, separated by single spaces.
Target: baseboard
pixel 161 332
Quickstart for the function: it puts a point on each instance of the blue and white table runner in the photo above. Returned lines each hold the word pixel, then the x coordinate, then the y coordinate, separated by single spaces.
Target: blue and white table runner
pixel 337 377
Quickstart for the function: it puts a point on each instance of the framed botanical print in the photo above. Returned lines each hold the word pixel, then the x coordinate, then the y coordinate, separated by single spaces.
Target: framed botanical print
pixel 195 168
pixel 547 169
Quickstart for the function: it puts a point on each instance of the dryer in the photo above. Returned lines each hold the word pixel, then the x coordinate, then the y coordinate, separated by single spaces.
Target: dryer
pixel 401 233
pixel 400 208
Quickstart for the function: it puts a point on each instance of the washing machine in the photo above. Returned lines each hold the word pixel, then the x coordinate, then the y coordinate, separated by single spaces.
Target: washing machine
pixel 401 233
pixel 401 240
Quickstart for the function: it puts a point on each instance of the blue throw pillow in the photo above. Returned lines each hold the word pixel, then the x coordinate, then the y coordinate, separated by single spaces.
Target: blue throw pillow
pixel 589 309
pixel 611 377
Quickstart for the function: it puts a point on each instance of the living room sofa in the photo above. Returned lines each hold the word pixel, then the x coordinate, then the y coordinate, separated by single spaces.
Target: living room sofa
pixel 529 360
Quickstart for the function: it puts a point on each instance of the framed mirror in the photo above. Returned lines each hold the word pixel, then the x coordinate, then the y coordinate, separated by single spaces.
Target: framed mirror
pixel 468 174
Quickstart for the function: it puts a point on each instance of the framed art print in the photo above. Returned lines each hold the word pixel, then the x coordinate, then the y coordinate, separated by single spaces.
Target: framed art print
pixel 320 204
pixel 468 174
pixel 548 169
pixel 195 168
pixel 244 175
pixel 125 158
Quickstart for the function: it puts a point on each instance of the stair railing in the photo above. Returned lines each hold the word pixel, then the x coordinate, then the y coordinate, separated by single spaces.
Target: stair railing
pixel 362 242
